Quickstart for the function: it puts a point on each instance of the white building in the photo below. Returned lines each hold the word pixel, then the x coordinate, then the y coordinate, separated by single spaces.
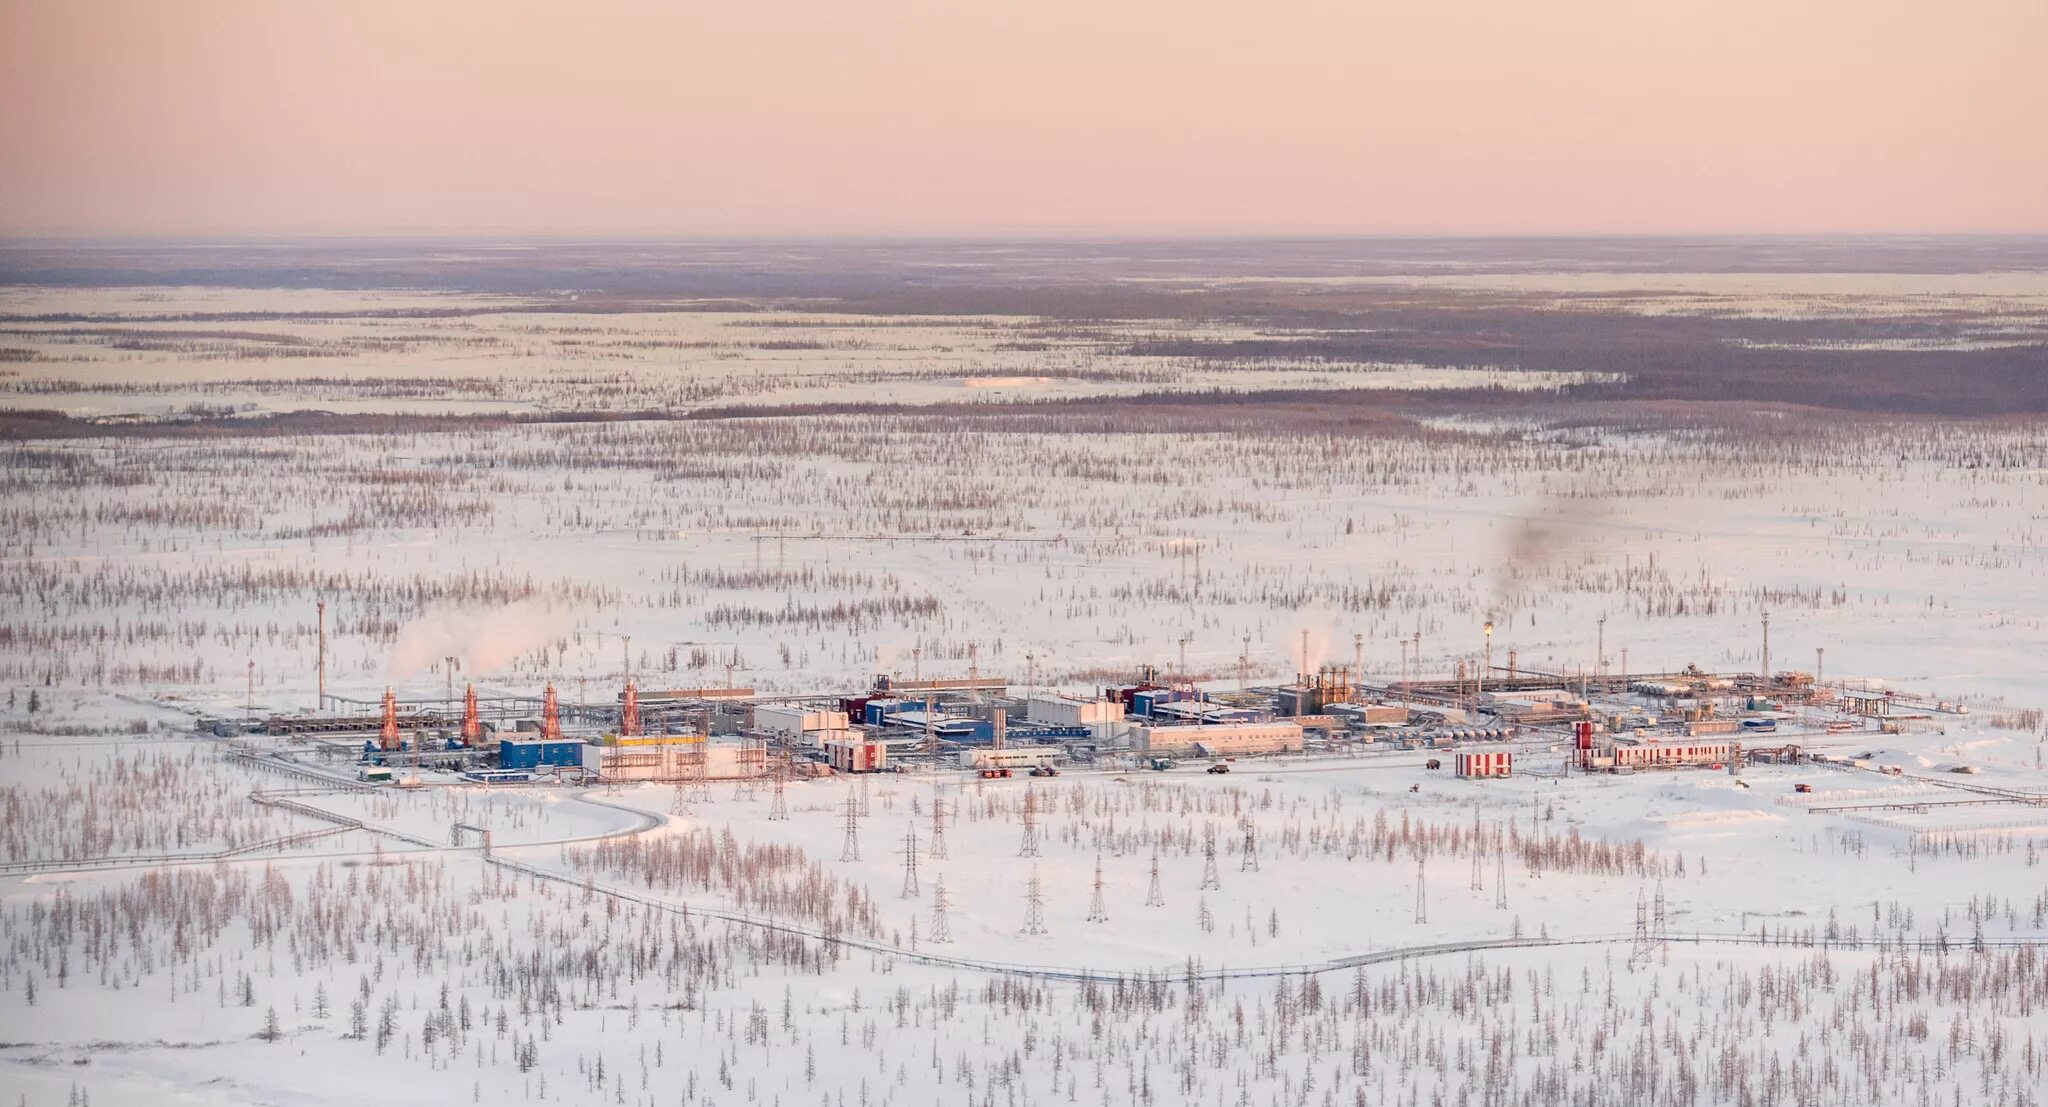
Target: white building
pixel 1057 710
pixel 1227 740
pixel 801 725
pixel 1010 757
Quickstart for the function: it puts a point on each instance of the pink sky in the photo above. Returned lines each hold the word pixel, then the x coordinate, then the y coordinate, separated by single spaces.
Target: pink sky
pixel 729 116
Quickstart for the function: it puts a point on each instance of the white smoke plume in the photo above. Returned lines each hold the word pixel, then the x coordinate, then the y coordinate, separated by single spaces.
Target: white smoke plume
pixel 485 639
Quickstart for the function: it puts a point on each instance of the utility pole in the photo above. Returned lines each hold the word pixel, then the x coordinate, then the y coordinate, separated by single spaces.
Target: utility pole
pixel 252 688
pixel 1185 678
pixel 1155 897
pixel 1600 661
pixel 1031 667
pixel 1099 912
pixel 911 889
pixel 448 665
pixel 937 850
pixel 1030 846
pixel 916 663
pixel 1244 665
pixel 851 850
pixel 322 605
pixel 1357 656
pixel 1500 874
pixel 778 807
pixel 1765 676
pixel 941 933
pixel 1034 905
pixel 1421 899
pixel 1820 657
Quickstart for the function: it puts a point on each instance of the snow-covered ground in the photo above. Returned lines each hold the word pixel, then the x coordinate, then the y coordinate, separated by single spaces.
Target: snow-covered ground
pixel 635 946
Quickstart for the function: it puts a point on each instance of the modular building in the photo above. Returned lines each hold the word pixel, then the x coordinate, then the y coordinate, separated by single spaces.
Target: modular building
pixel 1225 740
pixel 857 755
pixel 520 753
pixel 1054 710
pixel 1474 764
pixel 1010 757
pixel 797 722
pixel 1651 755
pixel 1370 714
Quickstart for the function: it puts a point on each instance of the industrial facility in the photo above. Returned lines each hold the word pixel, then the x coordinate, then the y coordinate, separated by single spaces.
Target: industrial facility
pixel 1494 721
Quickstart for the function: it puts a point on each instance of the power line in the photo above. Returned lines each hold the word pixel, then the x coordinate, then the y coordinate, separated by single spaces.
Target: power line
pixel 941 932
pixel 851 851
pixel 1030 847
pixel 1097 911
pixel 1034 906
pixel 911 889
pixel 937 850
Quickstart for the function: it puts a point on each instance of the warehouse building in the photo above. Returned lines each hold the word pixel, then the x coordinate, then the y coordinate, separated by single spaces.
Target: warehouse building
pixel 1654 755
pixel 1482 763
pixel 802 726
pixel 857 755
pixel 1057 710
pixel 1218 741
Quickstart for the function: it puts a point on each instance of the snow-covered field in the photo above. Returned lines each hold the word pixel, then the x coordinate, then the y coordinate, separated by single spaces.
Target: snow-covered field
pixel 1374 932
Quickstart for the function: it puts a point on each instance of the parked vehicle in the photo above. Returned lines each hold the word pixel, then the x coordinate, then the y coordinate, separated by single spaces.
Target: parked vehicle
pixel 1433 763
pixel 1161 764
pixel 1218 767
pixel 1802 787
pixel 1044 770
pixel 996 774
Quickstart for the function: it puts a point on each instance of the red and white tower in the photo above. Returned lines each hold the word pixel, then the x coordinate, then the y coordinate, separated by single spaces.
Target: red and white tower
pixel 550 717
pixel 629 713
pixel 472 721
pixel 387 736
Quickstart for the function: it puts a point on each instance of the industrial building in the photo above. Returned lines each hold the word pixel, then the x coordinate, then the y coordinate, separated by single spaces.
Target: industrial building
pixel 1640 754
pixel 1015 757
pixel 1218 741
pixel 523 753
pixel 1481 763
pixel 848 755
pixel 802 726
pixel 1057 710
pixel 1549 705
